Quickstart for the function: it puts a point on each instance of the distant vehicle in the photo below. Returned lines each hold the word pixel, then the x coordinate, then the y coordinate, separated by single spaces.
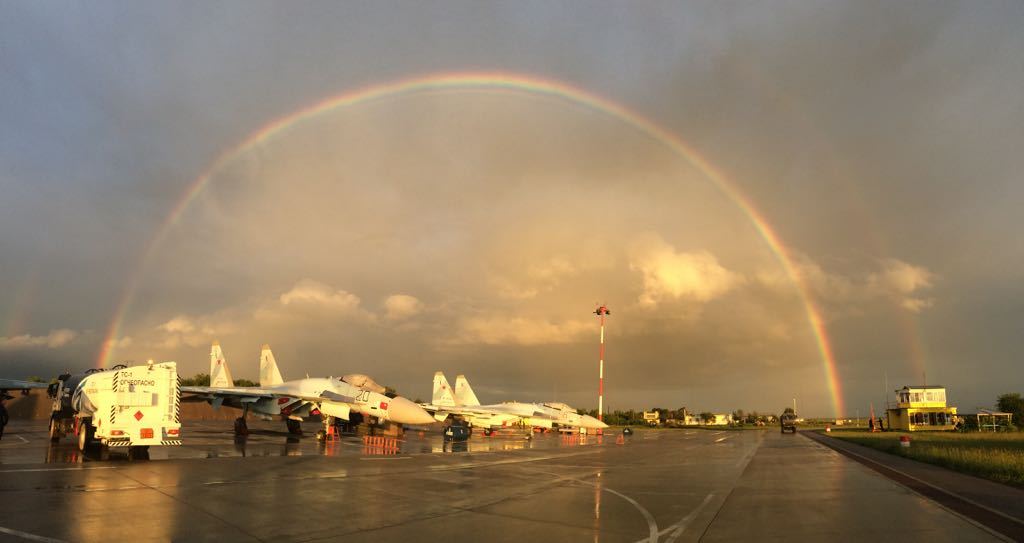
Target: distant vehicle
pixel 457 431
pixel 292 401
pixel 128 407
pixel 788 422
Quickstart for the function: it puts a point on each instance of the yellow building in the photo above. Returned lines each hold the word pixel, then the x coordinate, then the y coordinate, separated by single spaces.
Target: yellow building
pixel 921 408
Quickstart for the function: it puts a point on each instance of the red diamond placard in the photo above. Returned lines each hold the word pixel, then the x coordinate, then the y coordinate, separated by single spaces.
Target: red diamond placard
pixel 138 415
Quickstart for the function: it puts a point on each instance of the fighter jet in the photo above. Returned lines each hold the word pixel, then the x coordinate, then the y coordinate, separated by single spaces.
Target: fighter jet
pixel 464 404
pixel 292 401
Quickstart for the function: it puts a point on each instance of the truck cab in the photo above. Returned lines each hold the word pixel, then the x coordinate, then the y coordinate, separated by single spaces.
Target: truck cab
pixel 788 422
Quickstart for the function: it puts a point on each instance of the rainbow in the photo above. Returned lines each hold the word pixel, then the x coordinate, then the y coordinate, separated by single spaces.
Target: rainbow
pixel 505 82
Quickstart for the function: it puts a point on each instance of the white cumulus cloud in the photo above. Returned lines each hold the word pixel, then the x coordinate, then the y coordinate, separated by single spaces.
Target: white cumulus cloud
pixel 308 291
pixel 500 330
pixel 53 340
pixel 402 306
pixel 669 274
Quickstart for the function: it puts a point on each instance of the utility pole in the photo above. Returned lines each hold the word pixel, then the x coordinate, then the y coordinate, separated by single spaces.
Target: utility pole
pixel 601 312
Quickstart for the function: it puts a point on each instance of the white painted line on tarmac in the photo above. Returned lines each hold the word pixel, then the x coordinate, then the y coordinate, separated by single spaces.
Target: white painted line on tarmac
pixel 109 488
pixel 470 465
pixel 54 469
pixel 30 537
pixel 21 438
pixel 651 524
pixel 387 458
pixel 679 527
pixel 721 439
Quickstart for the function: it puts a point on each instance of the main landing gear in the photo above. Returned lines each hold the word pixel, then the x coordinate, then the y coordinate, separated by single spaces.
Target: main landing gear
pixel 294 427
pixel 241 428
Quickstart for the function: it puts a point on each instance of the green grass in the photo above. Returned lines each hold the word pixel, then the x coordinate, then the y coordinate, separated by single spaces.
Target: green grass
pixel 998 457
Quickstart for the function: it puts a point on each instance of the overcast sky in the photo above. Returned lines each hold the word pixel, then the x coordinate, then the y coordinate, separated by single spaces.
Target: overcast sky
pixel 473 230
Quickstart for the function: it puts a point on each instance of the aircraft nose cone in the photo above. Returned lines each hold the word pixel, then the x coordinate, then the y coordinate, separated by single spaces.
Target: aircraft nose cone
pixel 406 412
pixel 591 422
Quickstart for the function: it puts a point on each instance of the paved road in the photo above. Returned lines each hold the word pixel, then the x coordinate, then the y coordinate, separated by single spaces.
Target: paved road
pixel 997 506
pixel 658 486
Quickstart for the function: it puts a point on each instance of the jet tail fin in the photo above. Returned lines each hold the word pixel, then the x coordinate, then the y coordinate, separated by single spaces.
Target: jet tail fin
pixel 269 374
pixel 464 393
pixel 442 391
pixel 220 375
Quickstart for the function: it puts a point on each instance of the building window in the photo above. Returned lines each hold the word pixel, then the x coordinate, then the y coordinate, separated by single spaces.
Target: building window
pixel 941 418
pixel 931 419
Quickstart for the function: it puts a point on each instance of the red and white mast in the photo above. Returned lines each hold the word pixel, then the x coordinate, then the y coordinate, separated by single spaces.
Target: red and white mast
pixel 601 312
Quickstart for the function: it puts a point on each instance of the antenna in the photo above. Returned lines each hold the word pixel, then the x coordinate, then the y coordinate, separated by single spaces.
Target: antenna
pixel 602 311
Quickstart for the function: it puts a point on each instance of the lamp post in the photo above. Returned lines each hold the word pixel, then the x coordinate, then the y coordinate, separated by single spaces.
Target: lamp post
pixel 601 312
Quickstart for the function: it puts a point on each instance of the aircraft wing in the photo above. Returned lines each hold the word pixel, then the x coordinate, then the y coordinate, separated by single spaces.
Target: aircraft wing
pixel 331 396
pixel 488 410
pixel 337 405
pixel 236 392
pixel 12 384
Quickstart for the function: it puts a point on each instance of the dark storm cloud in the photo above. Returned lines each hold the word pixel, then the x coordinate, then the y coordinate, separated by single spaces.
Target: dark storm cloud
pixel 867 134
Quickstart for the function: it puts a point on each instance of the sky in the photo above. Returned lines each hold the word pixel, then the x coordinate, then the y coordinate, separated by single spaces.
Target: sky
pixel 723 175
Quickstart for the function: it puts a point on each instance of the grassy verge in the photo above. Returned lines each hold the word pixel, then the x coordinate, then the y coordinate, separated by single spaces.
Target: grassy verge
pixel 998 457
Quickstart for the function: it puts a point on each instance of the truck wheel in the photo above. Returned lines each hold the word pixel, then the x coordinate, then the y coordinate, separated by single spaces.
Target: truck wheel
pixel 54 431
pixel 85 436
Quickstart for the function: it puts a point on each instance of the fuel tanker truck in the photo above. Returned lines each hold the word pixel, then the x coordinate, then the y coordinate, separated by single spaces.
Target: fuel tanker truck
pixel 124 407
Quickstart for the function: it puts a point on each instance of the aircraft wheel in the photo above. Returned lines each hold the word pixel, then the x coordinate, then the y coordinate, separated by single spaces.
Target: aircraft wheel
pixel 241 428
pixel 294 427
pixel 138 452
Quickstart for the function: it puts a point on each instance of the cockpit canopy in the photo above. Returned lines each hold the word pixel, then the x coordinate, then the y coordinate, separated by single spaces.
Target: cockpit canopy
pixel 364 382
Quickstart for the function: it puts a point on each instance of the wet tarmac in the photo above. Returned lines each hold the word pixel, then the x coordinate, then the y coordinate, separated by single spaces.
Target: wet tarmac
pixel 668 485
pixel 29 443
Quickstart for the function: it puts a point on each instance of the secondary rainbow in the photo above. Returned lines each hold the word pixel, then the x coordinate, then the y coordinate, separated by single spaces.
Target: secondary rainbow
pixel 498 81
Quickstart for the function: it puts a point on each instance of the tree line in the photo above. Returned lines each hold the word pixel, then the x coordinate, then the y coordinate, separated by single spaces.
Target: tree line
pixel 1012 403
pixel 203 380
pixel 633 417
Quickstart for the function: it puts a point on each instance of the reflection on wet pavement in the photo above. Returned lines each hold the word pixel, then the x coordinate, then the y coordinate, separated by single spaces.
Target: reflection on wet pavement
pixel 27 442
